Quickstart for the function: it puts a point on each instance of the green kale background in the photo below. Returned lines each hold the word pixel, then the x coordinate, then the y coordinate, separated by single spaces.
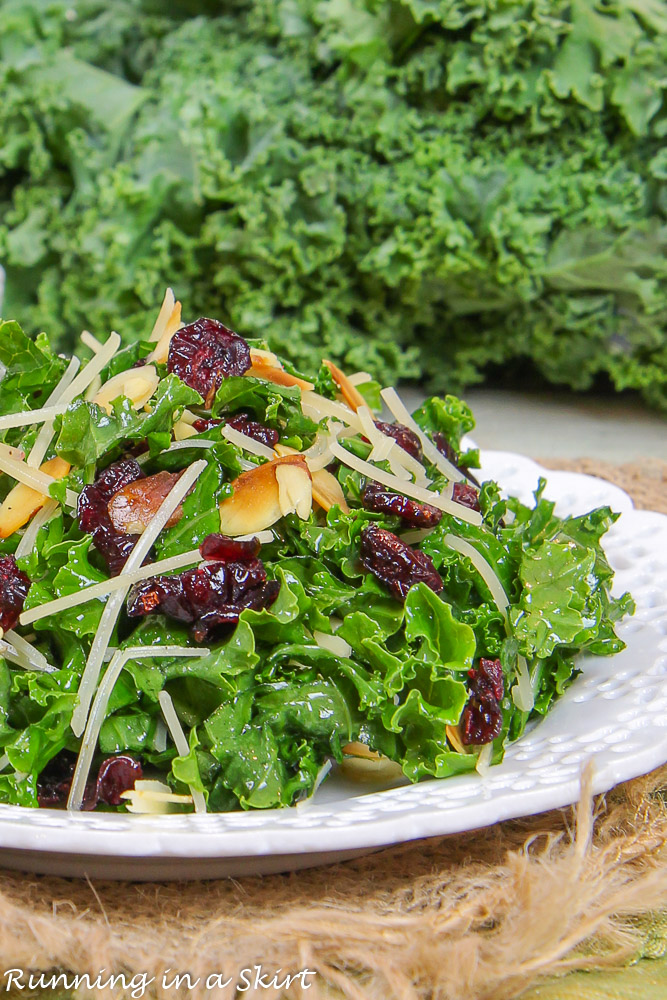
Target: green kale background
pixel 425 188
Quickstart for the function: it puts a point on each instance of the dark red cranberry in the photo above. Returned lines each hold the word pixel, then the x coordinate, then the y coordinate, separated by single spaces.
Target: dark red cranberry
pixel 482 718
pixel 204 424
pixel 116 775
pixel 466 495
pixel 55 779
pixel 204 353
pixel 223 549
pixel 265 435
pixel 93 513
pixel 14 587
pixel 211 596
pixel 55 782
pixel 416 515
pixel 395 563
pixel 403 436
pixel 445 448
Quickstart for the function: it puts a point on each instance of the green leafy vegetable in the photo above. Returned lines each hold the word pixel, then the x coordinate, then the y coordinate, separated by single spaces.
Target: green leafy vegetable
pixel 420 189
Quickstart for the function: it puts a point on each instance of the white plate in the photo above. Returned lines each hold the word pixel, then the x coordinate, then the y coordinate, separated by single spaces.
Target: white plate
pixel 615 713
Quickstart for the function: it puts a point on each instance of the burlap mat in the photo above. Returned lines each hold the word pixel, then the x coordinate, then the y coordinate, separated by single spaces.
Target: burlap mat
pixel 479 915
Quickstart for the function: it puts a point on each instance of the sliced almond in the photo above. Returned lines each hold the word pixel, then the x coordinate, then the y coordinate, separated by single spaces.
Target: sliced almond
pixel 356 749
pixel 264 357
pixel 166 309
pixel 349 392
pixel 326 489
pixel 173 323
pixel 138 384
pixel 360 763
pixel 183 430
pixel 135 505
pixel 295 492
pixel 22 503
pixel 257 501
pixel 189 418
pixel 454 737
pixel 260 368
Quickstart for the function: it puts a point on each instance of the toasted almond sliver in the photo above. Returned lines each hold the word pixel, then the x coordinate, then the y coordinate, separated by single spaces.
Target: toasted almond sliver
pixel 22 503
pixel 137 384
pixel 256 501
pixel 183 430
pixel 165 312
pixel 161 351
pixel 133 507
pixel 454 737
pixel 295 491
pixel 349 392
pixel 261 369
pixel 326 489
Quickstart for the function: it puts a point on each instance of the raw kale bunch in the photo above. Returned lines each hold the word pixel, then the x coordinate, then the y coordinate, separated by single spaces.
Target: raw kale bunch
pixel 421 189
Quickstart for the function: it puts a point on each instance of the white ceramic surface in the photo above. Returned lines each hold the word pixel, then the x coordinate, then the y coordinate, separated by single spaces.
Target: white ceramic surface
pixel 615 714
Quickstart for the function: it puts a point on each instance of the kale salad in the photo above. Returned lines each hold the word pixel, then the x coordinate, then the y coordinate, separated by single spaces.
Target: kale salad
pixel 221 577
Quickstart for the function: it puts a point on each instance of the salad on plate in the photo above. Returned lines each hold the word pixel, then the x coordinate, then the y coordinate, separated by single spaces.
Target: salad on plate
pixel 221 577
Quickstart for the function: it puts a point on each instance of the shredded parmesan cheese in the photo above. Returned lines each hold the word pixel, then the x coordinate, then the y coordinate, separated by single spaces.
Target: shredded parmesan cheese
pixel 18 650
pixel 42 517
pixel 85 378
pixel 358 378
pixel 45 436
pixel 319 778
pixel 383 445
pixel 522 692
pixel 91 342
pixel 408 489
pixel 179 738
pixel 27 417
pixel 317 407
pixel 484 569
pixel 98 710
pixel 484 759
pixel 247 443
pixel 398 409
pixel 121 582
pixel 115 603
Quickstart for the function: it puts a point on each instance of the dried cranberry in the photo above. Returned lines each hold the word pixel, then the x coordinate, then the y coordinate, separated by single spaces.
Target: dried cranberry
pixel 116 775
pixel 265 435
pixel 205 352
pixel 466 495
pixel 396 564
pixel 14 587
pixel 206 424
pixel 211 596
pixel 445 448
pixel 416 515
pixel 224 549
pixel 55 779
pixel 93 513
pixel 482 718
pixel 404 438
